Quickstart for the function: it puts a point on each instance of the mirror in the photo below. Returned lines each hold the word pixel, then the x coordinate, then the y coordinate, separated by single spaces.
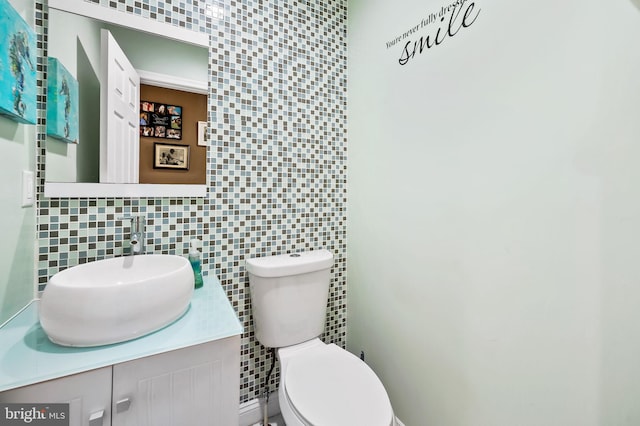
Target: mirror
pixel 172 73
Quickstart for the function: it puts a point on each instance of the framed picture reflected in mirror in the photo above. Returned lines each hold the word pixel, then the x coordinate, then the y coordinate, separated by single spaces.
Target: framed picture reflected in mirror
pixel 160 120
pixel 170 156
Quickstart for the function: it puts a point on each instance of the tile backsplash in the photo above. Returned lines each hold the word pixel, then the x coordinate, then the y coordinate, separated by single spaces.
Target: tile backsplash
pixel 276 159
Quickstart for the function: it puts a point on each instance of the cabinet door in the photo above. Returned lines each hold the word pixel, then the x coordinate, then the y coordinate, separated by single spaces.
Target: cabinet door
pixel 195 386
pixel 88 395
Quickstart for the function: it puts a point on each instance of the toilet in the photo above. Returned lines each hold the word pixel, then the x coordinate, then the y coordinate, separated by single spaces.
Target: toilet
pixel 320 384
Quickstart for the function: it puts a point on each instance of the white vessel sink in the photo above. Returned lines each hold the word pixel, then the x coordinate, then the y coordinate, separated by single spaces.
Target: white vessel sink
pixel 114 300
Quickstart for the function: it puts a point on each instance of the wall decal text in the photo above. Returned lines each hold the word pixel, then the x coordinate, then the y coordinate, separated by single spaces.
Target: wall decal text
pixel 461 14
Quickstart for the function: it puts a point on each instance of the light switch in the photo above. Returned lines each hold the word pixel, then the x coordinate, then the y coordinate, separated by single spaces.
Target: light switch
pixel 28 188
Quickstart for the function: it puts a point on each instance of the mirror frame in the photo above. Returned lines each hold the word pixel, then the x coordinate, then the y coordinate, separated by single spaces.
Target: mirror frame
pixel 98 190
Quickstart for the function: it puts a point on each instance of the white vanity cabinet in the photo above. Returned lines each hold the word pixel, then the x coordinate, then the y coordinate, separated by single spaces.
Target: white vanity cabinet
pixel 195 386
pixel 88 395
pixel 199 385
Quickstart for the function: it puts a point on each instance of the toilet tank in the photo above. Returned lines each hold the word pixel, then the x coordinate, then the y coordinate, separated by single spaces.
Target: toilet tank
pixel 289 296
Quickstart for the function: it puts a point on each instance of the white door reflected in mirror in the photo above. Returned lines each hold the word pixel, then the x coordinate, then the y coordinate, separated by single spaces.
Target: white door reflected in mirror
pixel 119 124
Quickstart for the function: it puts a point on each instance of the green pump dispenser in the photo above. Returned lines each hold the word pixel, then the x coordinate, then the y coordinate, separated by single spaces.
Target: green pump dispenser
pixel 194 258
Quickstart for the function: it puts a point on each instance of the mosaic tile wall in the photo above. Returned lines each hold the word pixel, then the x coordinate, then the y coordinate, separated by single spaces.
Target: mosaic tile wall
pixel 277 163
pixel 279 173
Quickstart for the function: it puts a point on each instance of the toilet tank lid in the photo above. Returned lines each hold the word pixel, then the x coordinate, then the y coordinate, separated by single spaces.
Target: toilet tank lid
pixel 290 264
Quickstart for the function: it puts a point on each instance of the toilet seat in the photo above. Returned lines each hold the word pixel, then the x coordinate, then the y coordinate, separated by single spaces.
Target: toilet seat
pixel 327 385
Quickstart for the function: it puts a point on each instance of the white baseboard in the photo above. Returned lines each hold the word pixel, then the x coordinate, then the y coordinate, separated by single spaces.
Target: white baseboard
pixel 252 412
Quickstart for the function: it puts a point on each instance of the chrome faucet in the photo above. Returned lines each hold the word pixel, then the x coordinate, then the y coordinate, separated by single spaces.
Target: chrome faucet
pixel 136 240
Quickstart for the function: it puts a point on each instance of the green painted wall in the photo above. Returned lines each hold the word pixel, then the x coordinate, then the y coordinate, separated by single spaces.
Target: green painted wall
pixel 17 224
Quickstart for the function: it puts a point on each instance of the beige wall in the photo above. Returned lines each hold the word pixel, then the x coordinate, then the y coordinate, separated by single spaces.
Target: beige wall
pixel 194 109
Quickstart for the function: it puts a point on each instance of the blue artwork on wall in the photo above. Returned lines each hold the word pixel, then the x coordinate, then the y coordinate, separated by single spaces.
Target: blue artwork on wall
pixel 62 102
pixel 17 66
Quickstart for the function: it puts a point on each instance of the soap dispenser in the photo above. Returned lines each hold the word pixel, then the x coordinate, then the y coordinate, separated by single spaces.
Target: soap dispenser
pixel 194 258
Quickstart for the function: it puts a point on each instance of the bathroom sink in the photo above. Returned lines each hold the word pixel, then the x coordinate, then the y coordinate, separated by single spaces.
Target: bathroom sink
pixel 114 300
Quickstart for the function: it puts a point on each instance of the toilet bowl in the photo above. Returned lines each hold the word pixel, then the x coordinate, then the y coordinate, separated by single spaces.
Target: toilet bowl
pixel 320 384
pixel 324 385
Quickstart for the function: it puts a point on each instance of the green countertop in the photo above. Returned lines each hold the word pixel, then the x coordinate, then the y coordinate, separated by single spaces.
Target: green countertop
pixel 27 356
